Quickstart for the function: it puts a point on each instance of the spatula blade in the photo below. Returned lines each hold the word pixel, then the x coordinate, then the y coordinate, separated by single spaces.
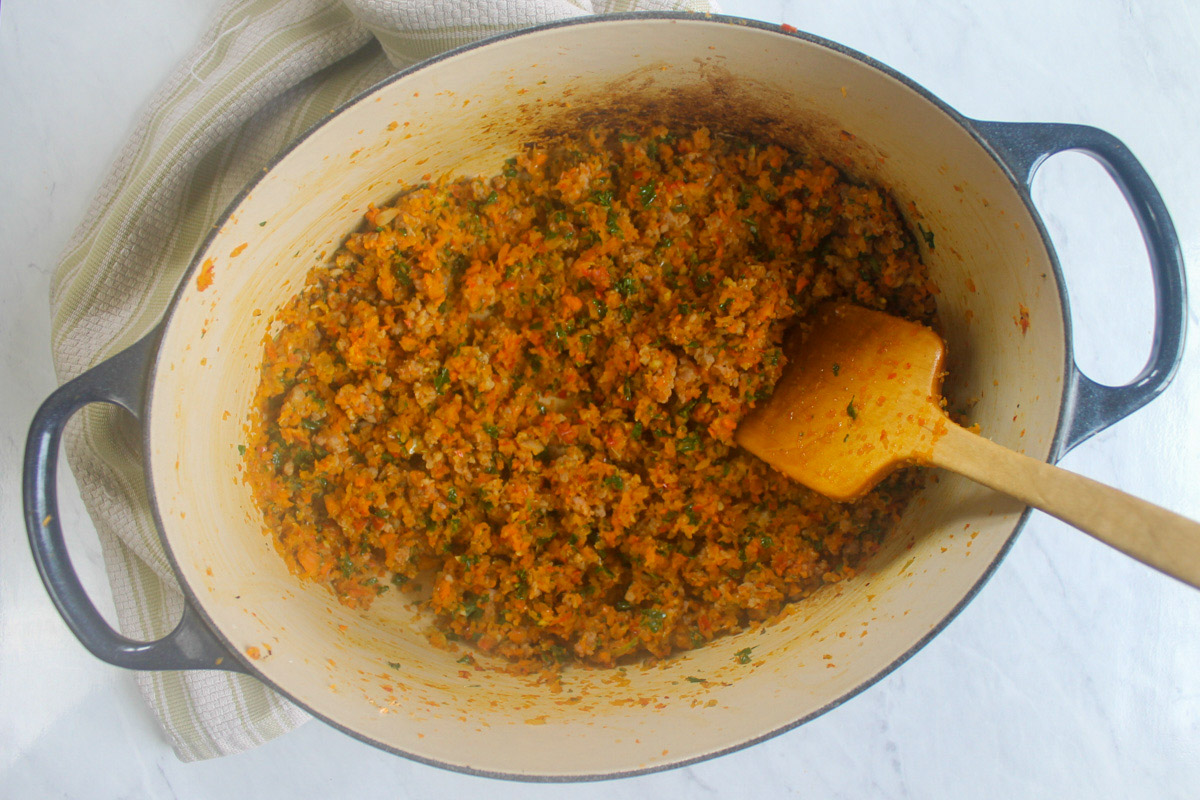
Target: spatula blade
pixel 860 396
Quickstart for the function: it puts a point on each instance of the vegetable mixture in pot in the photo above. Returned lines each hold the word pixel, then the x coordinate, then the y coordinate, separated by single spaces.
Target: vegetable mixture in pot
pixel 521 392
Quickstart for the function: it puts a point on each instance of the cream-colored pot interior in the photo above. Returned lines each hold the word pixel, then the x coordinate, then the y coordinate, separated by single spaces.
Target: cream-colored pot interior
pixel 374 673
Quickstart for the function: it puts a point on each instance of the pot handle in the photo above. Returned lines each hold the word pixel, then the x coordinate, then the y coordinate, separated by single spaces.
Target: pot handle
pixel 120 381
pixel 1092 407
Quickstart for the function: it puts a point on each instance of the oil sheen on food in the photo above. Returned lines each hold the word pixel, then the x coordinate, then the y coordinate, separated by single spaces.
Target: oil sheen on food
pixel 520 392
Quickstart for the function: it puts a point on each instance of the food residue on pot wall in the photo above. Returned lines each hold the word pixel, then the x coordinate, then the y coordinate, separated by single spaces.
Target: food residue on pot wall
pixel 204 278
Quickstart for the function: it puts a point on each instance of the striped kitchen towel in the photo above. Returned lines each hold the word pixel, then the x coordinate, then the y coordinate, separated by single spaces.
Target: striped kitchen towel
pixel 265 71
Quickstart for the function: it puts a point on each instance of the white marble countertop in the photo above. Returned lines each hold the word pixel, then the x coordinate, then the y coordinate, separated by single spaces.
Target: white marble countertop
pixel 1074 673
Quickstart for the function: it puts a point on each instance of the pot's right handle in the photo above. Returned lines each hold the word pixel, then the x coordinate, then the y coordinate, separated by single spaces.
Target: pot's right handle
pixel 120 381
pixel 1092 406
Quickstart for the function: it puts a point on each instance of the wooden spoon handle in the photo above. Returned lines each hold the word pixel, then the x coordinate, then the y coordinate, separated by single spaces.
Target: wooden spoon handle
pixel 1164 540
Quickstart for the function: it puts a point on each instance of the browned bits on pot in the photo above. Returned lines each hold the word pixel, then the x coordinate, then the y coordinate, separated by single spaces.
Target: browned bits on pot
pixel 519 392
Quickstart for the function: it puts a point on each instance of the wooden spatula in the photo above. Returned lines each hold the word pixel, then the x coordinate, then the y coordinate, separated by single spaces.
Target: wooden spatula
pixel 861 395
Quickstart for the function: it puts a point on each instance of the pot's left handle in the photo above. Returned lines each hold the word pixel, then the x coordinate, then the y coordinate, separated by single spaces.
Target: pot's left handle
pixel 121 381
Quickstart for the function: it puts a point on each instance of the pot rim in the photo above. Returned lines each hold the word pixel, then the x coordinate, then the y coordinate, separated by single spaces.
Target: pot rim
pixel 1057 448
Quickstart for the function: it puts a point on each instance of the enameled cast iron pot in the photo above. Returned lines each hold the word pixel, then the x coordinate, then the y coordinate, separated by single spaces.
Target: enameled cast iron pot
pixel 464 113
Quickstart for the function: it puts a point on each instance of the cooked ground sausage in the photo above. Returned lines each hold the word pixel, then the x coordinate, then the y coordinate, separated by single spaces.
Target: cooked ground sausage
pixel 522 391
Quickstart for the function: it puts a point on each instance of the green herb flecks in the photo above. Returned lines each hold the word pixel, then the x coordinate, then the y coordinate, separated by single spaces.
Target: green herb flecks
pixel 402 271
pixel 648 193
pixel 652 618
pixel 613 224
pixel 743 656
pixel 440 380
